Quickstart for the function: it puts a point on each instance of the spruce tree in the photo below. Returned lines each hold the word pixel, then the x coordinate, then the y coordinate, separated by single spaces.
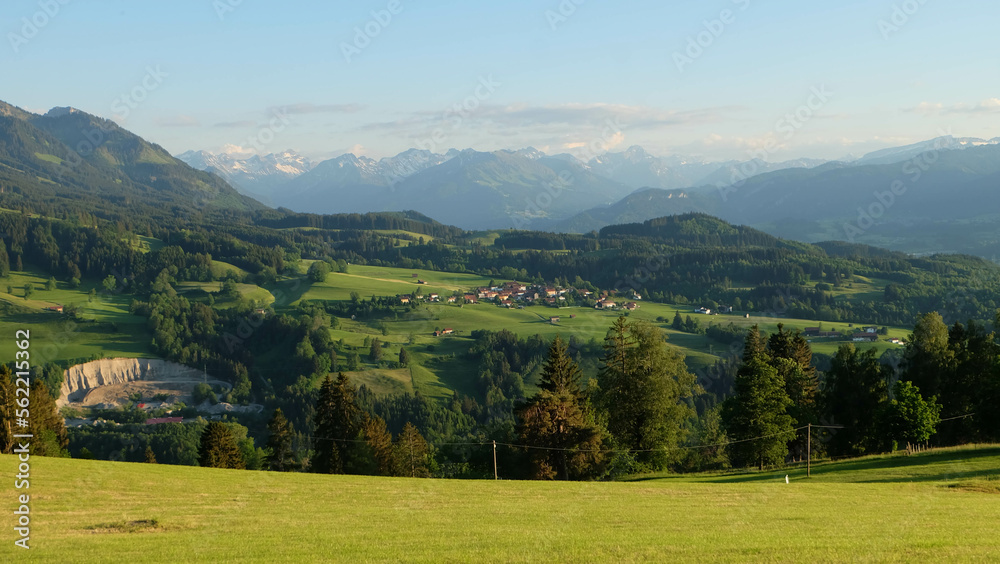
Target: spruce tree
pixel 45 423
pixel 856 388
pixel 756 416
pixel 382 459
pixel 280 457
pixel 219 449
pixel 558 424
pixel 4 260
pixel 412 453
pixel 150 455
pixel 337 427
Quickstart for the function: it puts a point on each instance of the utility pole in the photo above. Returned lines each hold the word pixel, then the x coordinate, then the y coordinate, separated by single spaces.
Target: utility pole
pixel 495 476
pixel 809 450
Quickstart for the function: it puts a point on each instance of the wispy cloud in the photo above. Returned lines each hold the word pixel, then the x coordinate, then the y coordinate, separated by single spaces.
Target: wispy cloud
pixel 236 124
pixel 177 121
pixel 558 117
pixel 987 106
pixel 307 108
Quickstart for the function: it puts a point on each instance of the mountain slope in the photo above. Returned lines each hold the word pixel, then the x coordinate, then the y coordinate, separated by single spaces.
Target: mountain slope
pixel 67 157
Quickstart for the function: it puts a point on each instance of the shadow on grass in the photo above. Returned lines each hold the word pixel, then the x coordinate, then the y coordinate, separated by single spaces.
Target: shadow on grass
pixel 867 470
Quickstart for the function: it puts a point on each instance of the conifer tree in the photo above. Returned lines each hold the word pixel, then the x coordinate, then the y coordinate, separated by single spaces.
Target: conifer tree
pixel 337 426
pixel 756 416
pixel 558 424
pixel 412 453
pixel 4 260
pixel 45 423
pixel 380 448
pixel 219 448
pixel 280 456
pixel 150 455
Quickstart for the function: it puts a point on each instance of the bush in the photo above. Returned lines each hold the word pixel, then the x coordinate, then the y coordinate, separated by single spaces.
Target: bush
pixel 203 392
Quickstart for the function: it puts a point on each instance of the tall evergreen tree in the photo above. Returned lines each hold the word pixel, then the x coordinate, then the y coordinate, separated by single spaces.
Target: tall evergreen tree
pixel 219 448
pixel 45 423
pixel 337 427
pixel 856 388
pixel 557 422
pixel 4 260
pixel 380 449
pixel 150 456
pixel 756 416
pixel 413 455
pixel 280 456
pixel 560 373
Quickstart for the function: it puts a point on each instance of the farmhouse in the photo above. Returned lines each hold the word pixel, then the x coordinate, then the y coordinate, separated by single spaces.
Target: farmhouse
pixel 553 320
pixel 811 332
pixel 631 306
pixel 404 299
pixel 443 332
pixel 704 310
pixel 864 337
pixel 606 304
pixel 452 299
pixel 470 298
pixel 57 308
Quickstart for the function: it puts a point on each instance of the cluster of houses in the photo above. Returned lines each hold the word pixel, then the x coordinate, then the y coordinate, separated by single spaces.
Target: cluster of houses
pixel 608 303
pixel 407 298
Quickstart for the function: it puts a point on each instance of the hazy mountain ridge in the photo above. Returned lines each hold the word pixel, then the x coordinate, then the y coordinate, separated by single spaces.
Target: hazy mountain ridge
pixel 70 155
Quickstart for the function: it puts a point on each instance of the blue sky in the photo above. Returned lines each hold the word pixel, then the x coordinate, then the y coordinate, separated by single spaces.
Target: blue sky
pixel 579 76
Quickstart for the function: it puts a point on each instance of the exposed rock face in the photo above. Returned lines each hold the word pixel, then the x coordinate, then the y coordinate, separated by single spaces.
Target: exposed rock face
pixel 79 380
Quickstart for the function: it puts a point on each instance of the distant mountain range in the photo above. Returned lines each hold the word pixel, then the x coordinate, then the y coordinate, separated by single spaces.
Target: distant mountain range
pixel 524 188
pixel 254 175
pixel 942 195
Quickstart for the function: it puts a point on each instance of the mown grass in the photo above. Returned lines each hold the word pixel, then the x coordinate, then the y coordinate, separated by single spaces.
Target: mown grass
pixel 92 511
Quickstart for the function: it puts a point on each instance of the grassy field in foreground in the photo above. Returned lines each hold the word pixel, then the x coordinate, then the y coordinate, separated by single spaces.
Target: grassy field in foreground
pixel 897 509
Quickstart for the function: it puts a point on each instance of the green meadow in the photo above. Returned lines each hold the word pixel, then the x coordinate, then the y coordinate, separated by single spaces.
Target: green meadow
pixel 938 506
